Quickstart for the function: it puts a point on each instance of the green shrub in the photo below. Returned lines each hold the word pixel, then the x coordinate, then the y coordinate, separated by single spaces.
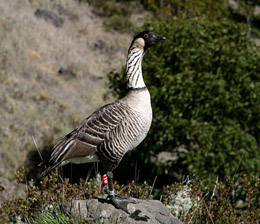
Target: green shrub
pixel 204 82
pixel 214 10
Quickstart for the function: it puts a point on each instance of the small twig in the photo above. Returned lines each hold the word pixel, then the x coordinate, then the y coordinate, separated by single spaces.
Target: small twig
pixel 27 184
pixel 38 150
pixel 71 171
pixel 79 212
pixel 89 172
pixel 27 220
pixel 213 194
pixel 136 172
pixel 37 147
pixel 60 174
pixel 96 168
pixel 122 189
pixel 200 201
pixel 152 187
pixel 186 180
pixel 207 210
pixel 238 164
pixel 194 212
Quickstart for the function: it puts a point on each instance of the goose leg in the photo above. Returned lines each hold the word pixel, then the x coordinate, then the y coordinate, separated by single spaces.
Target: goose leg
pixel 111 191
pixel 118 201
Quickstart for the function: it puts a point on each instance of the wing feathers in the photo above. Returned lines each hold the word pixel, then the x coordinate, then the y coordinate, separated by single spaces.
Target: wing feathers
pixel 85 139
pixel 79 149
pixel 89 138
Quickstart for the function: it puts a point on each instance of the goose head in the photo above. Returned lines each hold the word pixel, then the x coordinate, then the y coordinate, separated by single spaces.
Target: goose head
pixel 145 40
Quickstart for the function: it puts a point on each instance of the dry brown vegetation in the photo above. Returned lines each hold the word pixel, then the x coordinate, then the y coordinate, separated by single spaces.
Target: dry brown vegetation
pixel 36 100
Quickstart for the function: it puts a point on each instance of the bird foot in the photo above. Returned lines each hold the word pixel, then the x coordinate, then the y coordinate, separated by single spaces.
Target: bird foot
pixel 121 202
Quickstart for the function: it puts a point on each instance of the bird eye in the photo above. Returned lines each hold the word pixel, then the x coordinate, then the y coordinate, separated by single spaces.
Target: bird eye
pixel 146 36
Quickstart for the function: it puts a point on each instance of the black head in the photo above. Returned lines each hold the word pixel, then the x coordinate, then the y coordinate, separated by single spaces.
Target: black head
pixel 149 39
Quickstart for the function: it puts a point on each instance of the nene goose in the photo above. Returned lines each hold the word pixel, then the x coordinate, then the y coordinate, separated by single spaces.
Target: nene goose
pixel 114 129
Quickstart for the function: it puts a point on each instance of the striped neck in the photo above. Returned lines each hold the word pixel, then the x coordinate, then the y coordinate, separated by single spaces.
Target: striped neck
pixel 134 67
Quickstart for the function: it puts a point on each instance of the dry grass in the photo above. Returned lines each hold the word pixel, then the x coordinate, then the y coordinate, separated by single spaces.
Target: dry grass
pixel 34 98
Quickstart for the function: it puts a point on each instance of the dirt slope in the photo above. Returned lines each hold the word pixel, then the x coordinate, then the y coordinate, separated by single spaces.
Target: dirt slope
pixel 50 74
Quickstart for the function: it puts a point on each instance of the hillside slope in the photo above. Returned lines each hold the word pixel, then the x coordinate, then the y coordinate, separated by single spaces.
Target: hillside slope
pixel 51 73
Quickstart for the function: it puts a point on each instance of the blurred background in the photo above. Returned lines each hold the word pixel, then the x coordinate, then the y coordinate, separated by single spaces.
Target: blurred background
pixel 60 60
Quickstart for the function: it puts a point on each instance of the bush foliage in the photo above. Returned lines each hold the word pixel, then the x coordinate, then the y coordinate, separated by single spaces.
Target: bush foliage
pixel 204 82
pixel 215 10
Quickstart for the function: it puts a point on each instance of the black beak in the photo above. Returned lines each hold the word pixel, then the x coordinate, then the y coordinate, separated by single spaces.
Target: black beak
pixel 154 39
pixel 159 38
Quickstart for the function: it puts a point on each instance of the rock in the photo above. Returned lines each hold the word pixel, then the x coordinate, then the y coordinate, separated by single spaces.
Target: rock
pixel 145 211
pixel 49 17
pixel 100 44
pixel 11 189
pixel 233 5
pixel 98 11
pixel 257 11
pixel 3 133
pixel 67 73
pixel 62 11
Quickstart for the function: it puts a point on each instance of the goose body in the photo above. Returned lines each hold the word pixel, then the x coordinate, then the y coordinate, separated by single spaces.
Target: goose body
pixel 107 134
pixel 116 128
